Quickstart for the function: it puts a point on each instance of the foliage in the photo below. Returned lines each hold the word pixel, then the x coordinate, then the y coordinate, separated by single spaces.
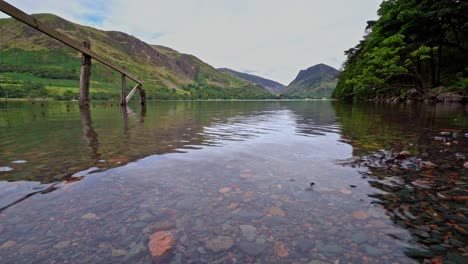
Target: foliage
pixel 23 90
pixel 415 44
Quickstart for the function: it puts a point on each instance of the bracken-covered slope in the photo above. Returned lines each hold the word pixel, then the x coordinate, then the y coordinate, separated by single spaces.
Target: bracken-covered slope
pixel 270 85
pixel 316 82
pixel 29 56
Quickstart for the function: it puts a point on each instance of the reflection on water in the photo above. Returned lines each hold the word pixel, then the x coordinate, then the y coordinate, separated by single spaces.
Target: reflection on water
pixel 233 182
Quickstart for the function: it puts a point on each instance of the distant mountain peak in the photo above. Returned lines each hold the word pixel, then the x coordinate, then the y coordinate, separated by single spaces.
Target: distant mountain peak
pixel 270 85
pixel 316 81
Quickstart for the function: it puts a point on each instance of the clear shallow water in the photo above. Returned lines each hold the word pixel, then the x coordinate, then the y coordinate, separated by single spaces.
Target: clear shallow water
pixel 92 187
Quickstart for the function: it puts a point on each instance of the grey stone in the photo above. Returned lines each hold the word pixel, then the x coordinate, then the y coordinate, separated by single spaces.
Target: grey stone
pixel 220 243
pixel 359 238
pixel 245 214
pixel 201 250
pixel 249 232
pixel 331 249
pixel 372 251
pixel 306 244
pixel 251 248
pixel 186 203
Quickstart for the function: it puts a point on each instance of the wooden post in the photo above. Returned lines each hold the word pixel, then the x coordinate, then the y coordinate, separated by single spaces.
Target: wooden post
pixel 123 95
pixel 142 95
pixel 85 77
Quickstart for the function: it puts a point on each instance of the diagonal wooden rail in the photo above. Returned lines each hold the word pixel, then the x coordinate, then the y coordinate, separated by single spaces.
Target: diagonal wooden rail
pixel 84 48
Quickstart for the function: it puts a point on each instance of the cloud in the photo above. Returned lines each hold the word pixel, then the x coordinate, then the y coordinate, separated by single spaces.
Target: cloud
pixel 272 38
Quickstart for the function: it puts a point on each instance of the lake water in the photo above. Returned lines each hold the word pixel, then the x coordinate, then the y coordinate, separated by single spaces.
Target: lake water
pixel 233 182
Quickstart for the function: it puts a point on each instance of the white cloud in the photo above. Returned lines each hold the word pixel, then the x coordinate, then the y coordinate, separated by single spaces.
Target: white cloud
pixel 272 38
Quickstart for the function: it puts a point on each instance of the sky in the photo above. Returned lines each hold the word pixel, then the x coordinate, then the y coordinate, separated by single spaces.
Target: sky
pixel 270 38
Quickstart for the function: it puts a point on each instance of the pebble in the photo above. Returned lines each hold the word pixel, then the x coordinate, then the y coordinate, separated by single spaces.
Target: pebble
pixel 201 250
pixel 276 211
pixel 251 248
pixel 136 248
pixel 331 249
pixel 316 261
pixel 224 190
pixel 8 244
pixel 429 165
pixel 185 204
pixel 249 232
pixel 62 244
pixel 119 252
pixel 359 238
pixel 247 214
pixel 372 251
pixel 306 244
pixel 281 250
pixel 346 191
pixel 160 244
pixel 89 216
pixel 403 154
pixel 220 243
pixel 361 215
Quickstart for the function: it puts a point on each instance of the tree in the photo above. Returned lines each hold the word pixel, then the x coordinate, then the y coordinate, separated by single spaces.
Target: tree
pixel 417 44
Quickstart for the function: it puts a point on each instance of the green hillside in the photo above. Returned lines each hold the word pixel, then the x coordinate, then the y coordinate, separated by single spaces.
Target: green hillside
pixel 35 65
pixel 318 81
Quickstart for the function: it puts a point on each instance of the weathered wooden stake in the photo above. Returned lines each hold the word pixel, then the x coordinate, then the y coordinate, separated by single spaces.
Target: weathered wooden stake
pixel 142 95
pixel 85 77
pixel 123 95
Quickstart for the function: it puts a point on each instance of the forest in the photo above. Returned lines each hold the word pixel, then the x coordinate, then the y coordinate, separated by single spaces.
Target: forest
pixel 416 49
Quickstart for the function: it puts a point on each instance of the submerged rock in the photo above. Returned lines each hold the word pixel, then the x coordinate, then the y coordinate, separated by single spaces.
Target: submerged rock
pixel 251 248
pixel 90 216
pixel 306 244
pixel 119 252
pixel 359 238
pixel 160 244
pixel 224 190
pixel 281 250
pixel 248 214
pixel 372 251
pixel 275 211
pixel 361 215
pixel 249 232
pixel 331 249
pixel 220 243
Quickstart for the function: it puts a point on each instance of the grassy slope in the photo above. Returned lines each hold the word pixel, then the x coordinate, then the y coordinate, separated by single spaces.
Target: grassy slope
pixel 165 72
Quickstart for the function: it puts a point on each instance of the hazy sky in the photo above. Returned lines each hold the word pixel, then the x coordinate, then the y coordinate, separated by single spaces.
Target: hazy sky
pixel 270 38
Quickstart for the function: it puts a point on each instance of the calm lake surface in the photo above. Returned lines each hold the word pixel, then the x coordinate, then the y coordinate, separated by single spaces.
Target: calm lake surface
pixel 234 182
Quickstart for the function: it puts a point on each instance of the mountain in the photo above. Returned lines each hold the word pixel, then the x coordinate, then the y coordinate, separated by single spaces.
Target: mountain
pixel 317 81
pixel 32 59
pixel 272 86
